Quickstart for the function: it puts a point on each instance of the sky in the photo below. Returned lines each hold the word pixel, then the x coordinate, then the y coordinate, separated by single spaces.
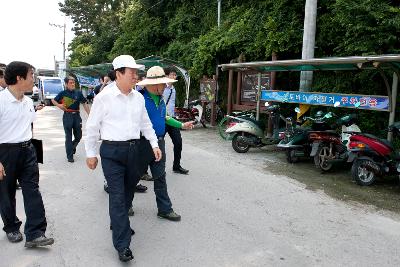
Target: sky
pixel 27 35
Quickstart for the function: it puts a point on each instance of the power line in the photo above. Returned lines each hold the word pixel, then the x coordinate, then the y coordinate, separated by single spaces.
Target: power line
pixel 153 6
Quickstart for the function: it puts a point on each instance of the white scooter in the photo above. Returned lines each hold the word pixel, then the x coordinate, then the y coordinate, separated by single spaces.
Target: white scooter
pixel 248 132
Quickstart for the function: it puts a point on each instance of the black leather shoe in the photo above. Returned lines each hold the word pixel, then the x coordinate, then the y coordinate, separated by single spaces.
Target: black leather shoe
pixel 14 237
pixel 125 255
pixel 180 170
pixel 71 160
pixel 140 188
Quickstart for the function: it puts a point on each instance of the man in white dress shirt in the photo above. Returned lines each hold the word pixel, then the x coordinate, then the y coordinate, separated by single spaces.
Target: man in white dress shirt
pixel 3 84
pixel 119 115
pixel 18 159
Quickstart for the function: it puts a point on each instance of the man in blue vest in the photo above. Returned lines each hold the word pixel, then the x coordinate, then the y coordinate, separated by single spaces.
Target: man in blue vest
pixel 156 109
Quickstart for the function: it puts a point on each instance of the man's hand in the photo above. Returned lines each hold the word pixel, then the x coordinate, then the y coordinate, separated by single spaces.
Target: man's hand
pixel 188 125
pixel 157 153
pixel 92 163
pixel 39 107
pixel 2 172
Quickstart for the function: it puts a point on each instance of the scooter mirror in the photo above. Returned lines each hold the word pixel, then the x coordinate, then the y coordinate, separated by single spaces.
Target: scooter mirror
pixel 297 109
pixel 357 104
pixel 267 104
pixel 337 103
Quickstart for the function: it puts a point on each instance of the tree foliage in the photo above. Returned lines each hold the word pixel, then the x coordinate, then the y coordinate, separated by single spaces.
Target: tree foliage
pixel 186 31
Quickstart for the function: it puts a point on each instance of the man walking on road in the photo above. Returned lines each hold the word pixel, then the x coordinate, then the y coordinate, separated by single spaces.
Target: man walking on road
pixel 69 101
pixel 18 159
pixel 118 116
pixel 156 109
pixel 173 132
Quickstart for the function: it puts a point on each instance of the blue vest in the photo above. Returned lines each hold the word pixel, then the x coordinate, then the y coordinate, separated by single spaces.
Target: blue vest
pixel 156 114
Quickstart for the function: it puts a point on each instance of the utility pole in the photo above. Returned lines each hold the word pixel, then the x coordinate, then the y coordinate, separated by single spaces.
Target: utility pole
pixel 213 108
pixel 310 25
pixel 63 43
pixel 219 13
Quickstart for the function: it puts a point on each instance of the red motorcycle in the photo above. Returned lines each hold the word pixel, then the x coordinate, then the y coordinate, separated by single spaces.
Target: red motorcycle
pixel 194 112
pixel 330 146
pixel 373 156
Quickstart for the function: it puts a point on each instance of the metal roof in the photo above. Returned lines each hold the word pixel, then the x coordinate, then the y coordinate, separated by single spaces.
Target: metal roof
pixel 104 68
pixel 315 64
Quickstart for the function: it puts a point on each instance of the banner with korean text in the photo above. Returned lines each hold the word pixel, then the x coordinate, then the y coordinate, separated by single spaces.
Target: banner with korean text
pixel 371 102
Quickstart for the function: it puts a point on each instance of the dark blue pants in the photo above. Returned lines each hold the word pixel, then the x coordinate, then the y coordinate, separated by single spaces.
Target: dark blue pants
pixel 157 169
pixel 72 125
pixel 21 164
pixel 175 134
pixel 119 162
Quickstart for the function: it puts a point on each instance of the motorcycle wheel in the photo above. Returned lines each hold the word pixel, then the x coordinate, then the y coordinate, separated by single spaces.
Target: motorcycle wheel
pixel 238 146
pixel 320 159
pixel 291 156
pixel 222 126
pixel 362 173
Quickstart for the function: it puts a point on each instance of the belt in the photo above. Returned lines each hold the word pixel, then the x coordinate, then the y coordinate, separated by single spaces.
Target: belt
pixel 22 144
pixel 72 112
pixel 159 138
pixel 122 143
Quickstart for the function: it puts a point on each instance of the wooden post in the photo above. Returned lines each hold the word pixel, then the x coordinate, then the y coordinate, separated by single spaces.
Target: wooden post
pixel 238 87
pixel 230 83
pixel 272 83
pixel 239 81
pixel 213 105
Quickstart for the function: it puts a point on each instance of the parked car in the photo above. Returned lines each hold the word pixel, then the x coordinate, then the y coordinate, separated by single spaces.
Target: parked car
pixel 49 87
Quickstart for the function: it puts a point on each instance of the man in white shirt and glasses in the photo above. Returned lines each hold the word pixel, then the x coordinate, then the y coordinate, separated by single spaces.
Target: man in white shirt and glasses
pixel 18 159
pixel 118 116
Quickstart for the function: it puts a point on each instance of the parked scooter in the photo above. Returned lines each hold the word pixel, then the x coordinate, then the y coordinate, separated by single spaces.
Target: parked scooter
pixel 231 120
pixel 194 112
pixel 373 156
pixel 295 142
pixel 250 133
pixel 330 147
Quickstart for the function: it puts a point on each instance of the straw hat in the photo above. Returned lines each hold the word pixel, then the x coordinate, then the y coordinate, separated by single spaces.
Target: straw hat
pixel 156 75
pixel 126 61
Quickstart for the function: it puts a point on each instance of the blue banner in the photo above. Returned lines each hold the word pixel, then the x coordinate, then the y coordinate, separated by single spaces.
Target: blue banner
pixel 370 102
pixel 87 81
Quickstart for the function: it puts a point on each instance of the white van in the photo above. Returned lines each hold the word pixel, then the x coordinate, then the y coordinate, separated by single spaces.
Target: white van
pixel 49 87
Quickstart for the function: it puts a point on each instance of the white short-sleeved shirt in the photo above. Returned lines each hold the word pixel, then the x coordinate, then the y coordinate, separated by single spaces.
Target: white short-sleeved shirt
pixel 15 118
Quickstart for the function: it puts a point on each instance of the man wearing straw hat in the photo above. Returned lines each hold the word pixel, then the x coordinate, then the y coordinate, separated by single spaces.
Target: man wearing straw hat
pixel 154 87
pixel 119 116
